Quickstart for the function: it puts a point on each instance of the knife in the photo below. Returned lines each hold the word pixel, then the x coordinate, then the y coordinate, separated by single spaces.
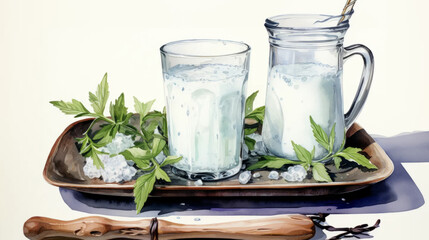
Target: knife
pixel 291 227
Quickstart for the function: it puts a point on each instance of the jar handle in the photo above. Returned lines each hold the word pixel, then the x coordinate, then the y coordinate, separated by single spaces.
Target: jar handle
pixel 365 81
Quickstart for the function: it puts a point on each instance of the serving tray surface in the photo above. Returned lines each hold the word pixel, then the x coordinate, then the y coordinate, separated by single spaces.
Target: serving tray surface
pixel 64 168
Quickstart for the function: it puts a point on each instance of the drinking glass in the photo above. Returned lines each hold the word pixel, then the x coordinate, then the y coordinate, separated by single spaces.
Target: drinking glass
pixel 205 87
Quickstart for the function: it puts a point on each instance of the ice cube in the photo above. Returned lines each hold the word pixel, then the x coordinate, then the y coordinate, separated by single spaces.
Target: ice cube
pixel 244 177
pixel 120 143
pixel 273 175
pixel 287 176
pixel 260 148
pixel 296 173
pixel 256 175
pixel 116 169
pixel 199 182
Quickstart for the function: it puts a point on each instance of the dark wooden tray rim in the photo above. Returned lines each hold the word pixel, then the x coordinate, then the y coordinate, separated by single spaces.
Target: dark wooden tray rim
pixel 65 173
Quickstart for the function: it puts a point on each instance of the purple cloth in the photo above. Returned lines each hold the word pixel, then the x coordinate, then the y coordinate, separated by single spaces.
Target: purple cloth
pixel 395 194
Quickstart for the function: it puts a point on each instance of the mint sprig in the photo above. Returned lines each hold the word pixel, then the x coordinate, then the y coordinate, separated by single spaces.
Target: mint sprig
pixel 145 160
pixel 305 157
pixel 148 145
pixel 320 135
pixel 142 188
pixel 152 145
pixel 271 162
pixel 320 173
pixel 349 153
pixel 118 121
pixel 255 114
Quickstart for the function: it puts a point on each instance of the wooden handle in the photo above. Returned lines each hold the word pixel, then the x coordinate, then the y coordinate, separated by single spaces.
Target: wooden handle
pixel 293 227
pixel 42 227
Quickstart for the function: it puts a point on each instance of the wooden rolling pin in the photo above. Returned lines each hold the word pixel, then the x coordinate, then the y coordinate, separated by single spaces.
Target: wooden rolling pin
pixel 292 227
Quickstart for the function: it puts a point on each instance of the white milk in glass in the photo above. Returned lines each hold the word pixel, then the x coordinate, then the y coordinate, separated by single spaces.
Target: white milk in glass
pixel 294 93
pixel 205 116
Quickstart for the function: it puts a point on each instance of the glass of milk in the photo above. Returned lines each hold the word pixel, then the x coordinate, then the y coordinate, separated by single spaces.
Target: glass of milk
pixel 305 79
pixel 205 87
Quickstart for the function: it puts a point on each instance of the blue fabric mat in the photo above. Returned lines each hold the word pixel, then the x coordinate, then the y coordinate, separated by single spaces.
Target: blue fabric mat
pixel 395 194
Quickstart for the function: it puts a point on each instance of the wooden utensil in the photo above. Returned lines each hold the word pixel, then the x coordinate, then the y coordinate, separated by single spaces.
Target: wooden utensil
pixel 293 227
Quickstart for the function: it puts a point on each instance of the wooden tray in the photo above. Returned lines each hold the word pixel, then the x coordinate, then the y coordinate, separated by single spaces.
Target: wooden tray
pixel 64 168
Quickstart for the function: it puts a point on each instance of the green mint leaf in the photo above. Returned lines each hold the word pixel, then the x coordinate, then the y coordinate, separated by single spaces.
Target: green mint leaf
pixel 91 125
pixel 268 157
pixel 104 141
pixel 103 132
pixel 118 111
pixel 88 114
pixel 82 140
pixel 153 115
pixel 306 166
pixel 170 160
pixel 352 154
pixel 164 125
pixel 136 152
pixel 142 108
pixel 313 152
pixel 156 135
pixel 158 145
pixel 107 138
pixel 128 129
pixel 139 156
pixel 248 131
pixel 271 162
pixel 143 145
pixel 260 164
pixel 344 141
pixel 115 130
pixel 302 153
pixel 320 173
pixel 319 134
pixel 95 159
pixel 249 103
pixel 142 188
pixel 131 127
pixel 257 114
pixel 85 149
pixel 127 117
pixel 99 99
pixel 112 111
pixel 72 108
pixel 166 150
pixel 86 146
pixel 148 130
pixel 250 143
pixel 139 153
pixel 332 139
pixel 160 174
pixel 337 161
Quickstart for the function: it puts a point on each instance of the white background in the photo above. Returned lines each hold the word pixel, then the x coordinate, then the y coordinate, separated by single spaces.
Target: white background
pixel 58 50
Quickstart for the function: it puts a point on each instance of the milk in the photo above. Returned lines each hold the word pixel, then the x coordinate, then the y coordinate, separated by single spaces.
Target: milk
pixel 205 106
pixel 294 93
